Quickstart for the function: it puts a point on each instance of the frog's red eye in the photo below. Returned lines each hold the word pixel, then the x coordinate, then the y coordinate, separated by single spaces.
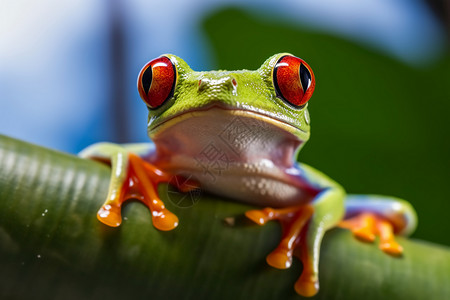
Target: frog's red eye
pixel 156 81
pixel 293 80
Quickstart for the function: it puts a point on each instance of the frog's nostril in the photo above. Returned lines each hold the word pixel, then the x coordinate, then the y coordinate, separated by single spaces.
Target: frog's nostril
pixel 202 84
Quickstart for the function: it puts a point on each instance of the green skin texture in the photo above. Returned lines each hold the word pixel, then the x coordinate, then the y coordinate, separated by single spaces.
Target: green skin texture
pixel 254 93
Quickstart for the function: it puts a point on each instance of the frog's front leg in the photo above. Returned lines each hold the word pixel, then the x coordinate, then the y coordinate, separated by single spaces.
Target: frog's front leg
pixel 304 227
pixel 132 177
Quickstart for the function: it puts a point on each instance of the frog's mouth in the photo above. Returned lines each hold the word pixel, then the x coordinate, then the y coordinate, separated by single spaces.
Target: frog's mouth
pixel 246 117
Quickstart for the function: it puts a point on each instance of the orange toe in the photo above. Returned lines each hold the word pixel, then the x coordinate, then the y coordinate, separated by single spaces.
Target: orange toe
pixel 306 287
pixel 364 234
pixel 258 216
pixel 392 248
pixel 110 215
pixel 279 259
pixel 164 220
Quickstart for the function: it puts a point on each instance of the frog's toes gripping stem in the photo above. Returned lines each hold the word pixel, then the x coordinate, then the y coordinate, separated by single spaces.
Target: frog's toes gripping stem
pixel 140 181
pixel 366 226
pixel 134 178
pixel 294 242
pixel 371 216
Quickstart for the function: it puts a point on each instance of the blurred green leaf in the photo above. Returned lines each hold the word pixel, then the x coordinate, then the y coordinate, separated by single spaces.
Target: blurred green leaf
pixel 52 246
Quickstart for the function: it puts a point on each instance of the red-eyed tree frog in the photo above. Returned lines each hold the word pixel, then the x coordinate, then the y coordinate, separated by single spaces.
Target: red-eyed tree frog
pixel 237 134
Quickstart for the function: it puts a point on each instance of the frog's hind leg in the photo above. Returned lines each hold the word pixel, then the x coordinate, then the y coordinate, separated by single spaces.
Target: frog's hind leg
pixel 370 215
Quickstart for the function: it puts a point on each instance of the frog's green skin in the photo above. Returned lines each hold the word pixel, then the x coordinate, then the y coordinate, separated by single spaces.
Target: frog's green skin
pixel 230 131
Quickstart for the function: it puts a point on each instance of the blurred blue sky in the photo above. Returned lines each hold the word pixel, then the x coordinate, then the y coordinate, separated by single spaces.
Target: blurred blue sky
pixel 55 71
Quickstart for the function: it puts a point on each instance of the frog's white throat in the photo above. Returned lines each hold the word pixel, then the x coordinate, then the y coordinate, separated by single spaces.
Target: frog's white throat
pixel 239 136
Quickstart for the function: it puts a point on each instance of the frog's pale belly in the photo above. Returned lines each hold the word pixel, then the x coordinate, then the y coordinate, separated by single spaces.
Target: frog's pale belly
pixel 253 189
pixel 236 155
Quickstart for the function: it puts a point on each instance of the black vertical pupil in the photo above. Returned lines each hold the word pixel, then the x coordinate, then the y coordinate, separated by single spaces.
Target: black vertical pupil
pixel 305 77
pixel 147 79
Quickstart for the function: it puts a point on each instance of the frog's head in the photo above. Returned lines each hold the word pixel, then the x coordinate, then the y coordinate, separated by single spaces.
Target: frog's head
pixel 277 93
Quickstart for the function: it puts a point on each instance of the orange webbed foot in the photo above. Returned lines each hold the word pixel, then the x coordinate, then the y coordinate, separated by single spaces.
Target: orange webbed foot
pixel 294 222
pixel 366 226
pixel 140 182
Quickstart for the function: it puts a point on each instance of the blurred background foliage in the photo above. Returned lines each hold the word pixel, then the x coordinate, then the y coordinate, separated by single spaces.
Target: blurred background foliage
pixel 379 113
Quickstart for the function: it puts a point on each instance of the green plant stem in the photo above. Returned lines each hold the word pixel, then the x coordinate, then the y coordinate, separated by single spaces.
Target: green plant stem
pixel 53 247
